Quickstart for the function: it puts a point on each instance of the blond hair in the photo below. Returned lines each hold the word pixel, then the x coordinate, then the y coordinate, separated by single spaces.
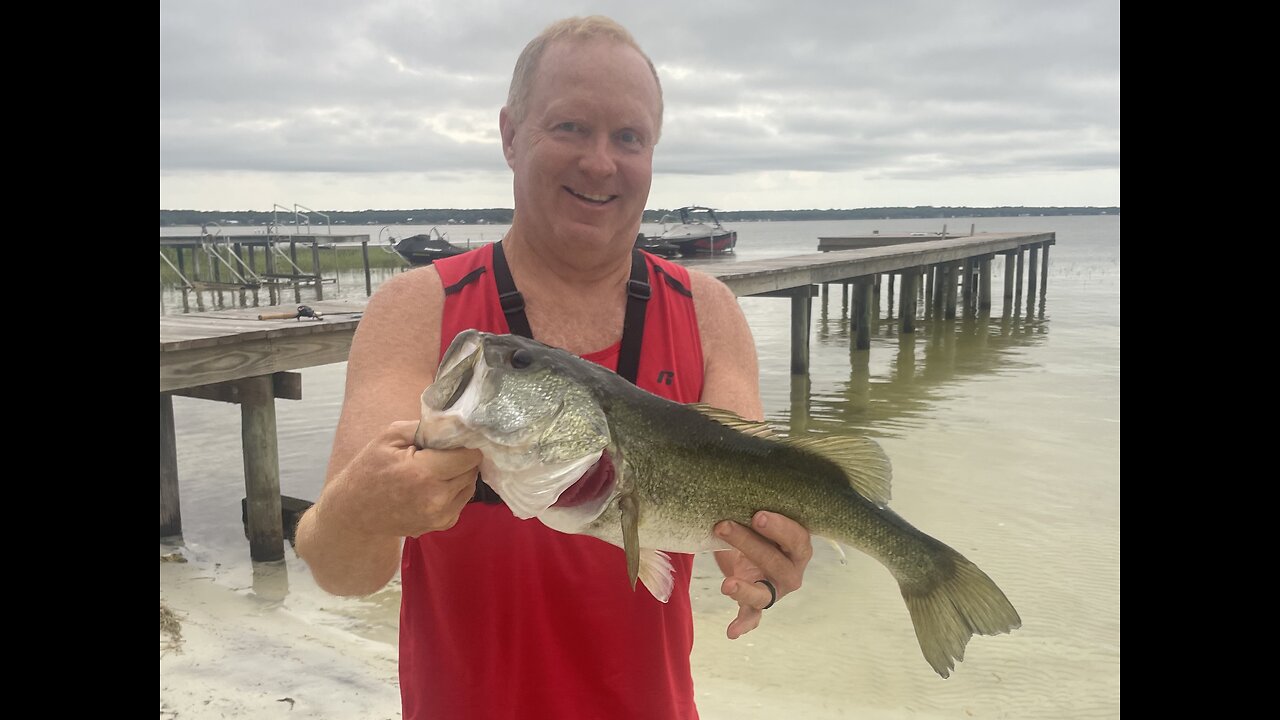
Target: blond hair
pixel 574 28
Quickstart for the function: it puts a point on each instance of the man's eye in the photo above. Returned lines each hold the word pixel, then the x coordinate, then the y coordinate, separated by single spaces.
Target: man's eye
pixel 568 127
pixel 629 137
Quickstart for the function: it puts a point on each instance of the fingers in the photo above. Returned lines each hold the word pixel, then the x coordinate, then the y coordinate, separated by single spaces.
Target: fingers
pixel 452 464
pixel 445 515
pixel 777 545
pixel 790 536
pixel 748 619
pixel 443 463
pixel 774 548
pixel 457 472
pixel 406 491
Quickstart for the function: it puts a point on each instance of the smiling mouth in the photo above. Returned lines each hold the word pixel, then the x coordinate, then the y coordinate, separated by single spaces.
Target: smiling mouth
pixel 593 199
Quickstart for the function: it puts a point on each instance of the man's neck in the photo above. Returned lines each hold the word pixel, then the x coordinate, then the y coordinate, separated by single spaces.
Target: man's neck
pixel 546 266
pixel 572 300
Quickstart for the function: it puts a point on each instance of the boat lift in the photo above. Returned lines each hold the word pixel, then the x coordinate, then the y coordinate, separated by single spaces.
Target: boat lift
pixel 218 256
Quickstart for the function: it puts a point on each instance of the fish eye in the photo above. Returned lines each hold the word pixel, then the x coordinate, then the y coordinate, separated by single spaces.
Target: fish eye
pixel 521 359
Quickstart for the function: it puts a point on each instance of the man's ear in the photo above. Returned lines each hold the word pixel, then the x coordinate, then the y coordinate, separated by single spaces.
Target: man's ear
pixel 508 127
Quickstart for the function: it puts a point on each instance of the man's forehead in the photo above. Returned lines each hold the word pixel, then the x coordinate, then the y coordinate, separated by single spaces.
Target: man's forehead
pixel 579 60
pixel 570 53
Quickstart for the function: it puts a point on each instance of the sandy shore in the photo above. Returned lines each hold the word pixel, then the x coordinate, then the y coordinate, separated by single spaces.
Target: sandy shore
pixel 242 653
pixel 240 640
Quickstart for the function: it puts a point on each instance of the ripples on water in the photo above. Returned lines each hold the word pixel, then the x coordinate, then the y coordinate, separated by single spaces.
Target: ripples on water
pixel 1005 439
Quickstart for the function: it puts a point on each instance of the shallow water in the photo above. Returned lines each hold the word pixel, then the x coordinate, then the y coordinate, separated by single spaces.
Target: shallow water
pixel 1005 438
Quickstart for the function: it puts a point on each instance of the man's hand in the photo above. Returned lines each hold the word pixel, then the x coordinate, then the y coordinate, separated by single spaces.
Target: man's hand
pixel 393 488
pixel 775 548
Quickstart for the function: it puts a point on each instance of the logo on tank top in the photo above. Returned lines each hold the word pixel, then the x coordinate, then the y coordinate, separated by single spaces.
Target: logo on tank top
pixel 665 377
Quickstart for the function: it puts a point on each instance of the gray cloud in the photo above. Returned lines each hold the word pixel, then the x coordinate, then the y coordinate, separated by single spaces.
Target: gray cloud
pixel 909 89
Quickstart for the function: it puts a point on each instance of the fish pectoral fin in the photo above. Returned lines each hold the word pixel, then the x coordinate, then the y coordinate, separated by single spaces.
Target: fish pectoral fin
pixel 657 573
pixel 651 567
pixel 631 535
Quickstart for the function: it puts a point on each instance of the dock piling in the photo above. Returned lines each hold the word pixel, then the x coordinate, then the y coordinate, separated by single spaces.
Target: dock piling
pixel 907 301
pixel 368 282
pixel 1033 256
pixel 315 267
pixel 261 468
pixel 984 284
pixel 801 308
pixel 1044 273
pixel 949 291
pixel 293 269
pixel 967 289
pixel 170 508
pixel 1017 282
pixel 863 302
pixel 269 255
pixel 1008 282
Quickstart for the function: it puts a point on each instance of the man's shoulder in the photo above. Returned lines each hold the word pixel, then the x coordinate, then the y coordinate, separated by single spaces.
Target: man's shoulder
pixel 455 267
pixel 708 290
pixel 408 299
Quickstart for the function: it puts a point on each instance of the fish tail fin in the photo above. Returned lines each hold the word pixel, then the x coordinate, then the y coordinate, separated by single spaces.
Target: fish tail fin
pixel 953 604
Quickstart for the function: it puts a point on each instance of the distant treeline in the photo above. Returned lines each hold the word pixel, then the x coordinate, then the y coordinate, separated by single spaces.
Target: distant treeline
pixel 502 216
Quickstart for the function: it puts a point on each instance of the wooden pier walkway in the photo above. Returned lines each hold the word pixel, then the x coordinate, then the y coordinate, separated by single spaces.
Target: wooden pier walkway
pixel 232 356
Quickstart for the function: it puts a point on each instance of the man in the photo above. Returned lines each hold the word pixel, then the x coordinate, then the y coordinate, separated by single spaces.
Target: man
pixel 502 617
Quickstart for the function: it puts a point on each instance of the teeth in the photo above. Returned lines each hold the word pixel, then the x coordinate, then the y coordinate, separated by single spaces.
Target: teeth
pixel 592 198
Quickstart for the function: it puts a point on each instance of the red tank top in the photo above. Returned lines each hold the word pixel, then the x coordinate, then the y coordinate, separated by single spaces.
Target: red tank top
pixel 506 618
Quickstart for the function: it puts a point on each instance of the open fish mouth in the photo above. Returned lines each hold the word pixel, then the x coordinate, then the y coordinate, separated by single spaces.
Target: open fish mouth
pixel 538 436
pixel 454 394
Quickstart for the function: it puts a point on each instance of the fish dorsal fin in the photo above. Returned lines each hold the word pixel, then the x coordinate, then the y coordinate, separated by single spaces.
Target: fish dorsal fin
pixel 861 459
pixel 735 421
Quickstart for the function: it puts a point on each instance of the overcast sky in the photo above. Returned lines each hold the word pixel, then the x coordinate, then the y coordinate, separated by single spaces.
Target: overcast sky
pixel 393 104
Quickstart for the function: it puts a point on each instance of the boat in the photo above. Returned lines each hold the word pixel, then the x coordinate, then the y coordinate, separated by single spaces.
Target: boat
pixel 425 248
pixel 657 246
pixel 698 232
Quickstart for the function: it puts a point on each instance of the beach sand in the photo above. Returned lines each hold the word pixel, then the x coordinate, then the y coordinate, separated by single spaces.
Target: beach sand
pixel 246 640
pixel 243 653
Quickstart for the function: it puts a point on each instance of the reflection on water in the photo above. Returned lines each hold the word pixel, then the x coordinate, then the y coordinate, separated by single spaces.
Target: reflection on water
pixel 919 371
pixel 1004 435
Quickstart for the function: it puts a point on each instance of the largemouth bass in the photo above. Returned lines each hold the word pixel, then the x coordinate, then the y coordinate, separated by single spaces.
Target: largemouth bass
pixel 584 451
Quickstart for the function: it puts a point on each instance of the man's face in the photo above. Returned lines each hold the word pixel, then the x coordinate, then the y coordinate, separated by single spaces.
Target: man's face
pixel 583 154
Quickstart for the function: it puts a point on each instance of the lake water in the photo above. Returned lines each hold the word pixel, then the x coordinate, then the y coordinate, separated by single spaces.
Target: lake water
pixel 1004 433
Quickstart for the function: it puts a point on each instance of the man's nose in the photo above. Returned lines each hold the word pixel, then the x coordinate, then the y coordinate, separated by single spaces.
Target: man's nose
pixel 597 159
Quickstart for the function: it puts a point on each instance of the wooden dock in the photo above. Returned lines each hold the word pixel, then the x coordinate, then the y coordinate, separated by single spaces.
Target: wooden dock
pixel 232 356
pixel 856 242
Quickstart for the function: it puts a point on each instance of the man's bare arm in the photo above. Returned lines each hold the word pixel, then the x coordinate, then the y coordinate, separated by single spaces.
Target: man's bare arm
pixel 379 488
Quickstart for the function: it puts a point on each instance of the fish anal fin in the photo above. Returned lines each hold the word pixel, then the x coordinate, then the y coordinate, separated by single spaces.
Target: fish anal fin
pixel 862 460
pixel 657 573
